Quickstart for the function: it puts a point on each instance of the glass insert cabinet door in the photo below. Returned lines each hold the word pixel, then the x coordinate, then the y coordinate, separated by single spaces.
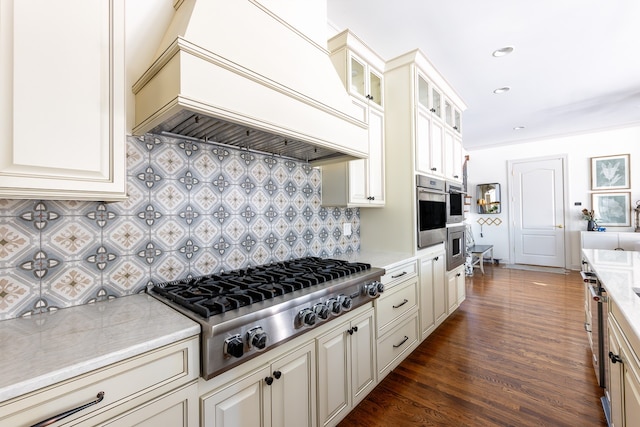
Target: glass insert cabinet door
pixel 365 82
pixel 488 198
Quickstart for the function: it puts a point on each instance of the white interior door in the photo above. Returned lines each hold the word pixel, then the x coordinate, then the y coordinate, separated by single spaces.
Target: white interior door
pixel 537 191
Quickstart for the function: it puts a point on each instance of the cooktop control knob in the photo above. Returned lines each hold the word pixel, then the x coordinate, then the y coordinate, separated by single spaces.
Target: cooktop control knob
pixel 346 302
pixel 234 346
pixel 257 337
pixel 307 317
pixel 371 289
pixel 380 286
pixel 321 310
pixel 334 305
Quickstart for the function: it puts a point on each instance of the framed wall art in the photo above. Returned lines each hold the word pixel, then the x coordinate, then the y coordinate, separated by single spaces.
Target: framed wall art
pixel 612 209
pixel 610 172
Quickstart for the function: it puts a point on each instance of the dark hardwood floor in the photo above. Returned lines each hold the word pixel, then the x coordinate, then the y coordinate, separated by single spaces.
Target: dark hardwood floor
pixel 514 354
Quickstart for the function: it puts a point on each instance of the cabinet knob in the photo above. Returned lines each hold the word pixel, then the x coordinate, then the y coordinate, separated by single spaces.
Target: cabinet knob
pixel 615 358
pixel 268 380
pixel 277 374
pixel 434 169
pixel 433 110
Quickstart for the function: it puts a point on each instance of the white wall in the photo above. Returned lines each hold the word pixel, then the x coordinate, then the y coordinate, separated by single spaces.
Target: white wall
pixel 490 165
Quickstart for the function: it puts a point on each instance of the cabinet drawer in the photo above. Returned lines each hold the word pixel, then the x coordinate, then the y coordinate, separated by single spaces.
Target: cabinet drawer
pixel 398 343
pixel 125 385
pixel 399 274
pixel 178 408
pixel 394 303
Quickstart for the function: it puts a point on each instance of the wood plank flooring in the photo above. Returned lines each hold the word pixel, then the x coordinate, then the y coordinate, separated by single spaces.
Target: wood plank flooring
pixel 515 353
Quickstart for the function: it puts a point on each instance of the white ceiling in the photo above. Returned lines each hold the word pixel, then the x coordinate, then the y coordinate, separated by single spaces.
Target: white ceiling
pixel 575 67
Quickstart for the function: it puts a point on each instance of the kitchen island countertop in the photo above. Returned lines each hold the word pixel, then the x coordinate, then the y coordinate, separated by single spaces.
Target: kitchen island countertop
pixel 619 274
pixel 41 350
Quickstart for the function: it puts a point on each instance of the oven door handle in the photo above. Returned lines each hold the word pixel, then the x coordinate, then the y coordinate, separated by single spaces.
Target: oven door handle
pixel 599 298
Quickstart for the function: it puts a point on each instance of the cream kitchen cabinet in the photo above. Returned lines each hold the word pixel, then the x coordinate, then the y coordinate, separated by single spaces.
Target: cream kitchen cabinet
pixel 438 144
pixel 261 396
pixel 430 142
pixel 281 393
pixel 433 303
pixel 629 241
pixel 452 117
pixel 408 127
pixel 359 67
pixel 400 297
pixel 346 367
pixel 157 385
pixel 455 288
pixel 397 316
pixel 62 118
pixel 429 145
pixel 359 183
pixel 453 156
pixel 623 386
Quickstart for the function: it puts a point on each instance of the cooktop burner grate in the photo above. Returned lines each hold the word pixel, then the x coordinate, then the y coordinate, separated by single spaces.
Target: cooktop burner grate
pixel 218 293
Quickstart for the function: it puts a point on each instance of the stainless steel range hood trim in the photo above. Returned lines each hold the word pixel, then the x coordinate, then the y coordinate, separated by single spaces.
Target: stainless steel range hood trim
pixel 235 147
pixel 181 51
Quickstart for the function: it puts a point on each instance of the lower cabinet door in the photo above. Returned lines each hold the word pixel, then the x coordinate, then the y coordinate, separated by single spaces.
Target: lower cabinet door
pixel 293 390
pixel 241 404
pixel 333 375
pixel 363 357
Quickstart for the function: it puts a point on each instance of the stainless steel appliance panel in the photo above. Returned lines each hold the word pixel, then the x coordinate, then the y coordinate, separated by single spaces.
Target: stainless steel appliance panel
pixel 455 246
pixel 455 202
pixel 431 211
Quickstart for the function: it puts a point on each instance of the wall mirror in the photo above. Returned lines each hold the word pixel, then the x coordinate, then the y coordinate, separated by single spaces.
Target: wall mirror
pixel 488 198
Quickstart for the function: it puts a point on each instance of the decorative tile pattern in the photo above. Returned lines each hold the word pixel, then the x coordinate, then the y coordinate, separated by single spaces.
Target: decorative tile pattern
pixel 193 209
pixel 15 241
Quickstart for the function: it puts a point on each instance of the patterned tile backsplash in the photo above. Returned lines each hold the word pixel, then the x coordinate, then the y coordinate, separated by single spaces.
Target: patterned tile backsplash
pixel 193 209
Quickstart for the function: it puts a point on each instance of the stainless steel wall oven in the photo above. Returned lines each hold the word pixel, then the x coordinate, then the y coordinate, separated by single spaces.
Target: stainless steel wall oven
pixel 455 202
pixel 431 211
pixel 455 246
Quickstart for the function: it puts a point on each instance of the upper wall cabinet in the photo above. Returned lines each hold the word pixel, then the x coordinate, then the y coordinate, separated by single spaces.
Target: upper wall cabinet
pixel 62 116
pixel 429 112
pixel 359 183
pixel 359 67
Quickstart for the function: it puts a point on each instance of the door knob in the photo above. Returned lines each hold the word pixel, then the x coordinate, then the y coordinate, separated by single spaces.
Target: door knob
pixel 559 226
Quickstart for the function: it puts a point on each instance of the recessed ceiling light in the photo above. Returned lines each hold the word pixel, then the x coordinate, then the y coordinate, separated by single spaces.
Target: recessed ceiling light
pixel 502 52
pixel 518 128
pixel 502 89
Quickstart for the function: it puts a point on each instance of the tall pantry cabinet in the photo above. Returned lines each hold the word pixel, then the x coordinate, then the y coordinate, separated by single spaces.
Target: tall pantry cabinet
pixel 62 118
pixel 420 138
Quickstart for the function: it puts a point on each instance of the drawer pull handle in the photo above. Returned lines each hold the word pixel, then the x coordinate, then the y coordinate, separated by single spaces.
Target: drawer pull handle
pixel 399 275
pixel 401 304
pixel 402 342
pixel 58 417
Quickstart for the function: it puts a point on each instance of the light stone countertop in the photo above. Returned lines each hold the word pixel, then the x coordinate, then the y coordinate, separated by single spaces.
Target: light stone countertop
pixel 619 274
pixel 386 260
pixel 41 350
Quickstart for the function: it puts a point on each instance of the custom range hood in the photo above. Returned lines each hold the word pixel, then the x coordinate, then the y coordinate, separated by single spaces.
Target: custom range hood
pixel 253 74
